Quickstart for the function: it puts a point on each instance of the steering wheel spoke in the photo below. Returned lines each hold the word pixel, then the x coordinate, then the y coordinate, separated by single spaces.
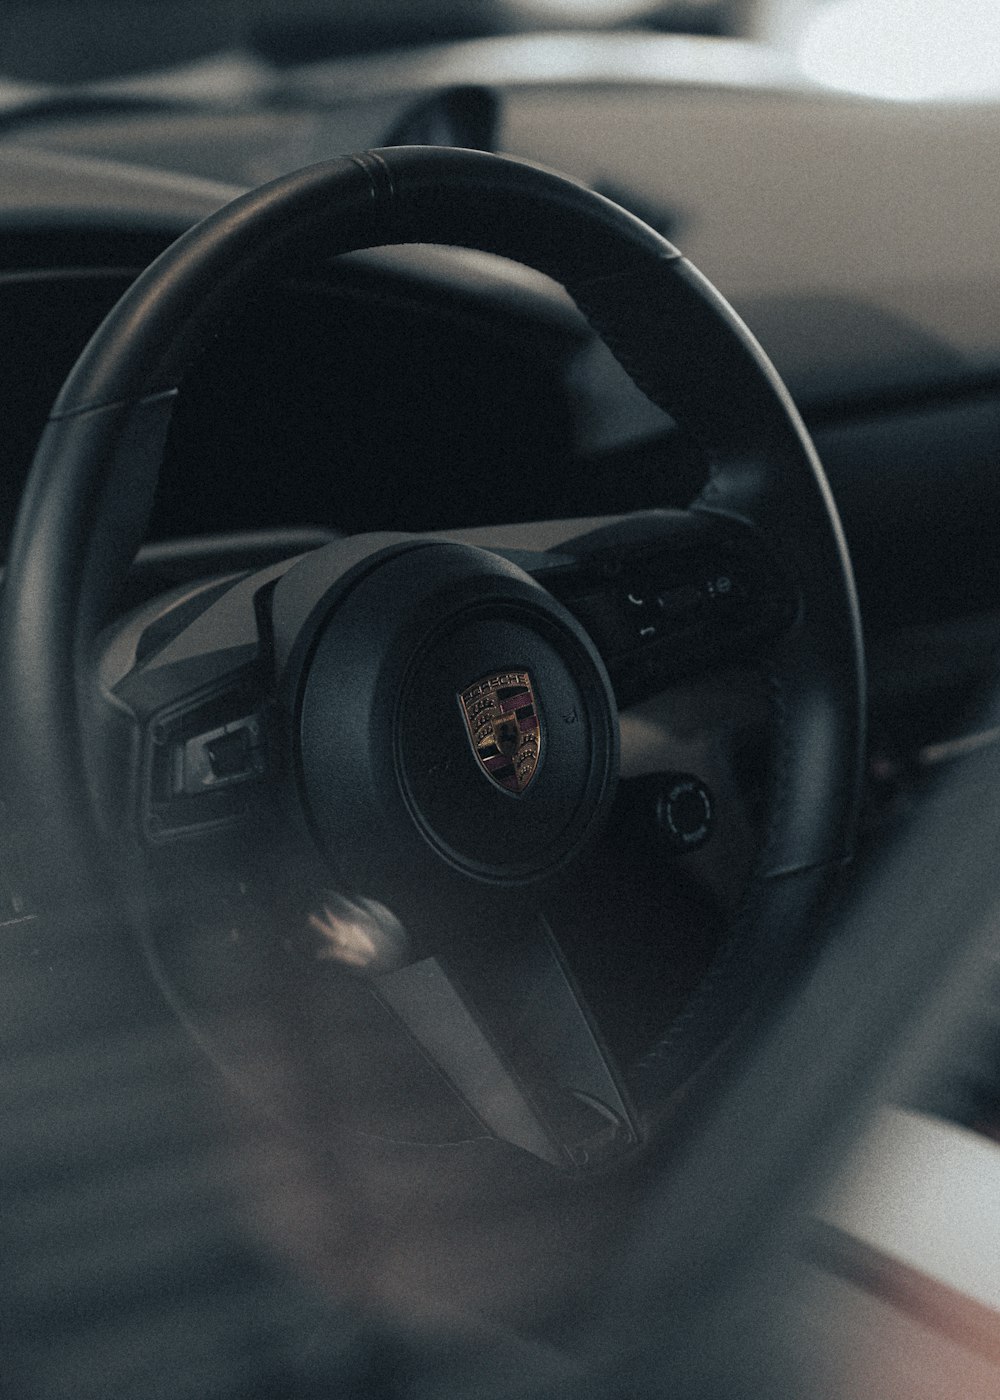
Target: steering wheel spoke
pixel 668 595
pixel 499 1014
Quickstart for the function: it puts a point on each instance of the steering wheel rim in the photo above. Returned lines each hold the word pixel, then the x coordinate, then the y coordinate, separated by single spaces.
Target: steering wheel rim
pixel 90 492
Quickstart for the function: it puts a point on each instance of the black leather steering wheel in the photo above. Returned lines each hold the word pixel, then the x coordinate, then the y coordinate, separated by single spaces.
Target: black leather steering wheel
pixel 426 730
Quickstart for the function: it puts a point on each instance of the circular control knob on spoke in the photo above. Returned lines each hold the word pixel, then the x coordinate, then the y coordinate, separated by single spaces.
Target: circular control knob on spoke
pixel 685 812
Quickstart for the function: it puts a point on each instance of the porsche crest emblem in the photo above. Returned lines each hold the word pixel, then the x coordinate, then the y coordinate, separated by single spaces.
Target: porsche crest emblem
pixel 504 728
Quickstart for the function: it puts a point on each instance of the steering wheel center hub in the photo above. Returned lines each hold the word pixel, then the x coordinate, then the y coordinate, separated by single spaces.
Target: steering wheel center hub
pixel 455 723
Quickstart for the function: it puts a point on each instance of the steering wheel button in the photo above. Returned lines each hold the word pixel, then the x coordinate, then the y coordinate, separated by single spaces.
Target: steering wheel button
pixel 635 601
pixel 642 623
pixel 723 588
pixel 684 811
pixel 228 754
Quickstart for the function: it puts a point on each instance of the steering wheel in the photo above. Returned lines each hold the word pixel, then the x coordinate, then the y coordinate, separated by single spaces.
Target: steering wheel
pixel 411 743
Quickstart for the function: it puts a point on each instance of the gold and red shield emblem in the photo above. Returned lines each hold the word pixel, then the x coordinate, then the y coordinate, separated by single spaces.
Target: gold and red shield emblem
pixel 504 728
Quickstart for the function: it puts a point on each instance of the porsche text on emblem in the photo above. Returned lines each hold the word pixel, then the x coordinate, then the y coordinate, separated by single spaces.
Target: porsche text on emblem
pixel 503 724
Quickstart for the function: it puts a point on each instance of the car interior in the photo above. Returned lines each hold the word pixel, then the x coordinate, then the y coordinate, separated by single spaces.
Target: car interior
pixel 497 653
